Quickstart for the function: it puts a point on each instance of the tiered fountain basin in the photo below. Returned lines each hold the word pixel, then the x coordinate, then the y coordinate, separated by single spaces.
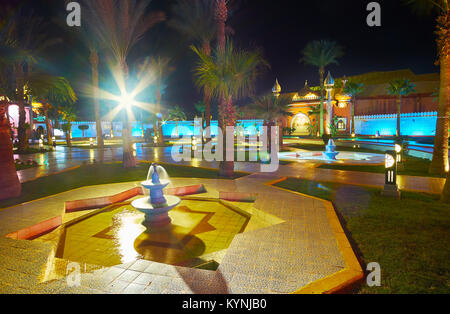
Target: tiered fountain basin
pixel 156 207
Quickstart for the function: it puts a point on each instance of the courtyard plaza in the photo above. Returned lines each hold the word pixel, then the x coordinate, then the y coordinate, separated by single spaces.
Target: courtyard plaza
pixel 289 243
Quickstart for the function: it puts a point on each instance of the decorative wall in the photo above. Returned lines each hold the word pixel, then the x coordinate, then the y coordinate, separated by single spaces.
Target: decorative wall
pixel 415 124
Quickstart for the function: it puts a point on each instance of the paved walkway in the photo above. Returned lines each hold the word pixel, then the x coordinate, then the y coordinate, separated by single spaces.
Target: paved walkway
pixel 296 252
pixel 64 158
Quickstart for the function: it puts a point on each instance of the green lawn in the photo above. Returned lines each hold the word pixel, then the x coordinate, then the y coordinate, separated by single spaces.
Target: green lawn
pixel 101 174
pixel 412 166
pixel 24 166
pixel 409 238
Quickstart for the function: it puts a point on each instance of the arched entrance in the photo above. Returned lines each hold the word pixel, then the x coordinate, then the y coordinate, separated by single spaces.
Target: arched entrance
pixel 300 122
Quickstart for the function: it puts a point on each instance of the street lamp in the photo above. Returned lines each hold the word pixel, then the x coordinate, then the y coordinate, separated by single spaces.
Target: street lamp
pixel 329 84
pixel 390 175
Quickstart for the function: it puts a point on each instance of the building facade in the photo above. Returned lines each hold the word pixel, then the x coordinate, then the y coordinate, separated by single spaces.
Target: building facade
pixel 375 110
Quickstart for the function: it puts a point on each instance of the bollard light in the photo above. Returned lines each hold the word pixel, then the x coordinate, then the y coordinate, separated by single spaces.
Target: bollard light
pixel 91 141
pixel 155 139
pixel 41 143
pixel 398 150
pixel 194 143
pixel 390 177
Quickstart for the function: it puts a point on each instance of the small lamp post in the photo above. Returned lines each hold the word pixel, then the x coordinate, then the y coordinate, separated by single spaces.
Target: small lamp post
pixel 329 84
pixel 91 141
pixel 390 176
pixel 194 143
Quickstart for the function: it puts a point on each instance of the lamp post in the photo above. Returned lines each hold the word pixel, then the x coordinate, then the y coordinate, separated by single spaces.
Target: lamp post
pixel 329 84
pixel 390 176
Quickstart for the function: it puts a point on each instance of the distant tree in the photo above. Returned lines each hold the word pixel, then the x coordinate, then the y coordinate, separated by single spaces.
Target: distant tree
pixel 69 115
pixel 83 128
pixel 176 114
pixel 53 92
pixel 400 88
pixel 272 110
pixel 353 89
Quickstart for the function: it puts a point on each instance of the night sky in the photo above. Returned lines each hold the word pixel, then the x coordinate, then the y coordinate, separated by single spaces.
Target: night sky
pixel 280 28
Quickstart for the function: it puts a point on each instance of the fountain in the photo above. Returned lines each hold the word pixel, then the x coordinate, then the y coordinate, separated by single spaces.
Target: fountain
pixel 329 152
pixel 157 206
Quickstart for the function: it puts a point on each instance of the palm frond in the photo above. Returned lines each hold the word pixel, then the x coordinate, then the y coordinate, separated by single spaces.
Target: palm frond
pixel 321 53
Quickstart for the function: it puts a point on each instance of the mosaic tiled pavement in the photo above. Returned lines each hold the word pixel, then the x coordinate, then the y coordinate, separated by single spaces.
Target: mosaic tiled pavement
pixel 296 247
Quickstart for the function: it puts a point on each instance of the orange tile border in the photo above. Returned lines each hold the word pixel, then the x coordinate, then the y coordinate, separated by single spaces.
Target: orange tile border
pixel 343 279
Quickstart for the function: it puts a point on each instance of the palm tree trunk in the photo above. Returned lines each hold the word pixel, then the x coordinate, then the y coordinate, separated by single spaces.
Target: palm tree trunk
pixel 207 95
pixel 399 110
pixel 94 64
pixel 321 74
pixel 352 131
pixel 9 182
pixel 445 196
pixel 128 159
pixel 280 133
pixel 226 168
pixel 439 163
pixel 48 125
pixel 21 128
pixel 158 110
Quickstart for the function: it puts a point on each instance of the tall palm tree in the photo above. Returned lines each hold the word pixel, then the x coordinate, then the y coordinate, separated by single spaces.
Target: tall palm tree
pixel 321 53
pixel 195 20
pixel 229 74
pixel 93 59
pixel 160 69
pixel 25 36
pixel 440 8
pixel 176 114
pixel 400 88
pixel 353 89
pixel 119 25
pixel 272 110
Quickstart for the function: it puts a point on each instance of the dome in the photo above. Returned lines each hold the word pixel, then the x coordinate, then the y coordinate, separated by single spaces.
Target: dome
pixel 276 88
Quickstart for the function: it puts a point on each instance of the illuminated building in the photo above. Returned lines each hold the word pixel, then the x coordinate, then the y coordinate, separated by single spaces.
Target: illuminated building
pixel 375 110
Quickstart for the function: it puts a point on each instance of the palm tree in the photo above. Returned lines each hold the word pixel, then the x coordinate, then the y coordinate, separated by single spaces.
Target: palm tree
pixel 441 8
pixel 195 20
pixel 353 89
pixel 25 38
pixel 272 110
pixel 321 53
pixel 93 58
pixel 314 111
pixel 69 115
pixel 53 92
pixel 229 74
pixel 176 114
pixel 119 25
pixel 160 69
pixel 400 88
pixel 200 107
